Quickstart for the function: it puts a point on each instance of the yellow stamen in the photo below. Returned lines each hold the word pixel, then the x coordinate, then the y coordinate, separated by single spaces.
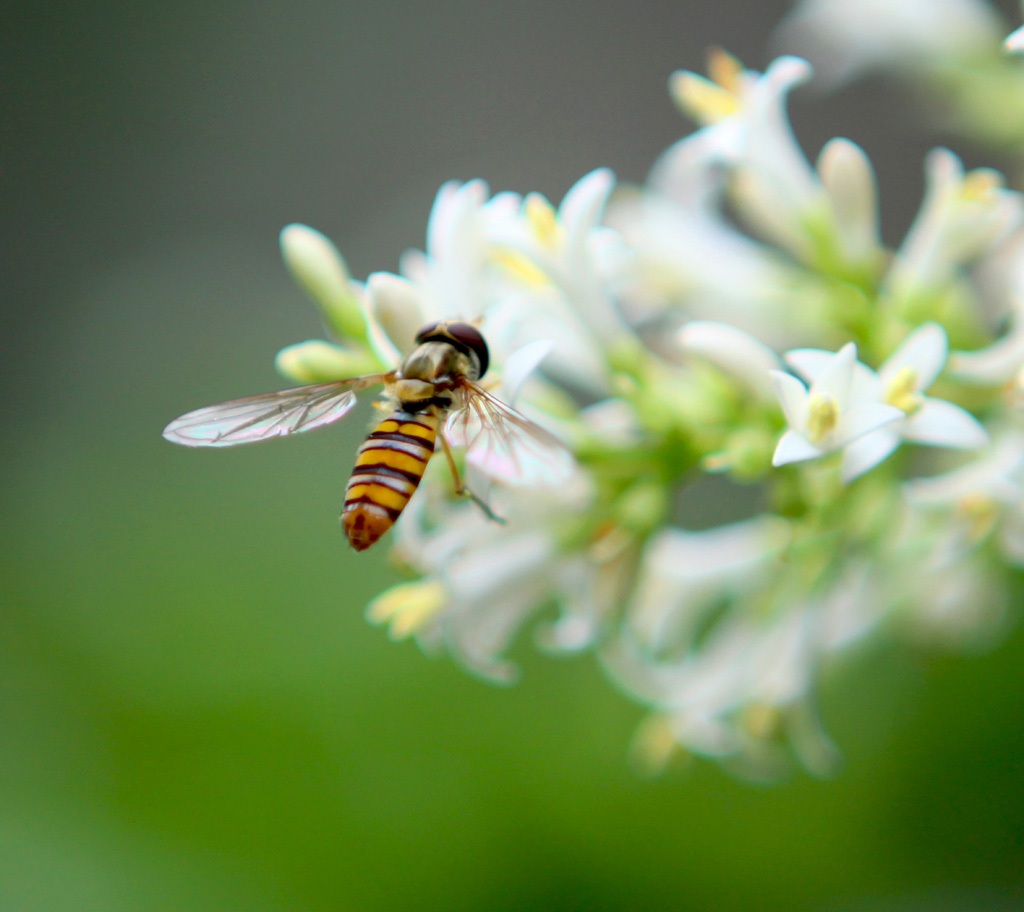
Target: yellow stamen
pixel 609 541
pixel 543 220
pixel 1013 390
pixel 902 390
pixel 980 184
pixel 762 721
pixel 407 607
pixel 655 746
pixel 703 100
pixel 725 70
pixel 822 417
pixel 521 268
pixel 980 511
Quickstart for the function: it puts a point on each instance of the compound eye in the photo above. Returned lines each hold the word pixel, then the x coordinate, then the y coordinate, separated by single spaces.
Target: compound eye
pixel 469 336
pixel 428 330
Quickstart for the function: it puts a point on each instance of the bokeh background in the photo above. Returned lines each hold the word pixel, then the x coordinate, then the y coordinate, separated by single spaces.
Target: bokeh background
pixel 193 713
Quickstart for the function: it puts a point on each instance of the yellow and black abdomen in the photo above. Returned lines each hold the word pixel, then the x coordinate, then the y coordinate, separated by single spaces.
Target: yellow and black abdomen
pixel 388 470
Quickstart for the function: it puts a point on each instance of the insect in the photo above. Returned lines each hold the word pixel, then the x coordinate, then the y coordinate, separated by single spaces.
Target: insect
pixel 437 384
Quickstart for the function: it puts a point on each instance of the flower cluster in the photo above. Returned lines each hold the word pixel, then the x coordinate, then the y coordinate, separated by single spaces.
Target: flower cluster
pixel 787 437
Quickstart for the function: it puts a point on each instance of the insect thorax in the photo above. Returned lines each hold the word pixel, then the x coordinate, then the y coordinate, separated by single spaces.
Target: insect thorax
pixel 415 396
pixel 439 362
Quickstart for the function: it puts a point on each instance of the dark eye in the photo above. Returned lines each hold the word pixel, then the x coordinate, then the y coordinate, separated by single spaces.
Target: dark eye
pixel 469 336
pixel 428 330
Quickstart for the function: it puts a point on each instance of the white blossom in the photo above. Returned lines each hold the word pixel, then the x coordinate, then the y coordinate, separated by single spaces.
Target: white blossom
pixel 980 498
pixel 826 417
pixel 1001 362
pixel 734 351
pixel 847 37
pixel 1014 42
pixel 901 382
pixel 747 128
pixel 962 217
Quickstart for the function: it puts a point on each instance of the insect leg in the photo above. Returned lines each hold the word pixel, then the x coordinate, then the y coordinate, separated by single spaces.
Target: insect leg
pixel 460 488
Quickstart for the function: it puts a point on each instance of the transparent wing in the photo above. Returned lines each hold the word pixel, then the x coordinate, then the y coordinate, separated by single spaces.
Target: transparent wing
pixel 270 415
pixel 505 445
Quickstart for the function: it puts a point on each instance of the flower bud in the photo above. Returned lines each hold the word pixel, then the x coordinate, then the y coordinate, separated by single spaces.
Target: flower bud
pixel 319 268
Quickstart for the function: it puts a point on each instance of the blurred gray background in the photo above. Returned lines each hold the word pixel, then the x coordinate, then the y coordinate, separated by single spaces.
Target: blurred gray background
pixel 151 153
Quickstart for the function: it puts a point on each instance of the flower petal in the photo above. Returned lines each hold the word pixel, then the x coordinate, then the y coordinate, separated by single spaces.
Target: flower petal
pixel 995 364
pixel 582 206
pixel 736 352
pixel 996 474
pixel 849 180
pixel 867 452
pixel 859 420
pixel 794 448
pixel 924 350
pixel 837 376
pixel 940 423
pixel 452 216
pixel 810 363
pixel 1014 42
pixel 844 38
pixel 519 365
pixel 792 396
pixel 396 308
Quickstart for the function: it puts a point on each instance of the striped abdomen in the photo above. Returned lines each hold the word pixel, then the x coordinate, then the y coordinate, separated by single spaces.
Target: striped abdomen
pixel 388 470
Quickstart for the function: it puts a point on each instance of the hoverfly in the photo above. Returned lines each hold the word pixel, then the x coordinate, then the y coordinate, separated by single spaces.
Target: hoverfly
pixel 436 384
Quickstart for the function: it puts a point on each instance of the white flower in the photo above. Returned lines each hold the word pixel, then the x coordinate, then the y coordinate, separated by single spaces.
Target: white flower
pixel 746 128
pixel 826 417
pixel 687 250
pixel 750 679
pixel 846 37
pixel 685 575
pixel 726 666
pixel 848 180
pixel 1014 42
pixel 517 267
pixel 1001 362
pixel 558 268
pixel 962 217
pixel 996 364
pixel 687 254
pixel 984 495
pixel 450 275
pixel 737 353
pixel 997 476
pixel 486 580
pixel 961 606
pixel 775 190
pixel 901 382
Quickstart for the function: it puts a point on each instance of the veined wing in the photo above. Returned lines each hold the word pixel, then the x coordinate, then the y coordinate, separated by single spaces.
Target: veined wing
pixel 270 415
pixel 504 444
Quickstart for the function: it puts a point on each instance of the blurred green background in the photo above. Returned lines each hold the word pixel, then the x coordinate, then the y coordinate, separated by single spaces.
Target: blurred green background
pixel 193 712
